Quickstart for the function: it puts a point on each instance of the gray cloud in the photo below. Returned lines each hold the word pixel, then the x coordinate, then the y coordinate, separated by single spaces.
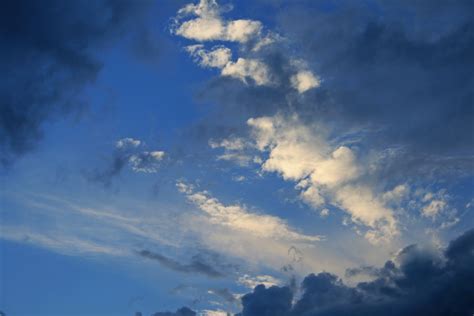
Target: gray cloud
pixel 48 58
pixel 197 264
pixel 422 282
pixel 418 282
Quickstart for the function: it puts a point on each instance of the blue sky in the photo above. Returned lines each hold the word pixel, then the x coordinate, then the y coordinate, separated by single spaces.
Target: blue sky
pixel 163 154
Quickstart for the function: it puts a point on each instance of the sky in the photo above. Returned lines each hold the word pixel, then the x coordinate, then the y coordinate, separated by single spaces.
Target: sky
pixel 256 158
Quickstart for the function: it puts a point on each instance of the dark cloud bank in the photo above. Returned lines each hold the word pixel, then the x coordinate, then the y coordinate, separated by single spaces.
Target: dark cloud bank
pixel 48 57
pixel 417 282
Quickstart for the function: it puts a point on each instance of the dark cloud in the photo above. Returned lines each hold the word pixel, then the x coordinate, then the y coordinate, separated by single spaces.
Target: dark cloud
pixel 48 57
pixel 423 282
pixel 197 264
pixel 274 301
pixel 419 282
pixel 184 311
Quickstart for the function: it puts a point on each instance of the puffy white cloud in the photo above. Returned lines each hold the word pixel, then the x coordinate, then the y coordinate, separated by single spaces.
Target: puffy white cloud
pixel 239 218
pixel 304 81
pixel 245 69
pixel 208 25
pixel 242 69
pixel 216 58
pixel 323 173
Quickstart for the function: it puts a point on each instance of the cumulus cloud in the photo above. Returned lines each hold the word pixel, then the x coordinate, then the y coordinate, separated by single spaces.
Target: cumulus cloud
pixel 244 69
pixel 304 81
pixel 218 57
pixel 208 24
pixel 239 218
pixel 323 173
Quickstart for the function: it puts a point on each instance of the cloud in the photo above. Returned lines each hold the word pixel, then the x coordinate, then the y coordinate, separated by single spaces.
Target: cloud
pixel 218 57
pixel 49 59
pixel 184 311
pixel 240 219
pixel 251 282
pixel 244 69
pixel 323 173
pixel 304 81
pixel 419 282
pixel 195 266
pixel 411 85
pixel 379 77
pixel 208 25
pixel 128 151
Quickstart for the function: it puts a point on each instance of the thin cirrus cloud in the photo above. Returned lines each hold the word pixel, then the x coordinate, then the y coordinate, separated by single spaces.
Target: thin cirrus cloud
pixel 239 218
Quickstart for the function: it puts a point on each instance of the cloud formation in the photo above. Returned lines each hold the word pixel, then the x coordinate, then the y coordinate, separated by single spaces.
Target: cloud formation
pixel 208 25
pixel 418 281
pixel 49 58
pixel 325 173
pixel 128 151
pixel 239 218
pixel 196 266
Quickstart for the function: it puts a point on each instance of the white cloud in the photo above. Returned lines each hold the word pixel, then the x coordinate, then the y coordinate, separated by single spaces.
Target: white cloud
pixel 252 281
pixel 324 213
pixel 233 143
pixel 207 312
pixel 244 69
pixel 304 81
pixel 208 25
pixel 323 173
pixel 434 208
pixel 239 218
pixel 147 162
pixel 139 161
pixel 233 150
pixel 128 142
pixel 216 58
